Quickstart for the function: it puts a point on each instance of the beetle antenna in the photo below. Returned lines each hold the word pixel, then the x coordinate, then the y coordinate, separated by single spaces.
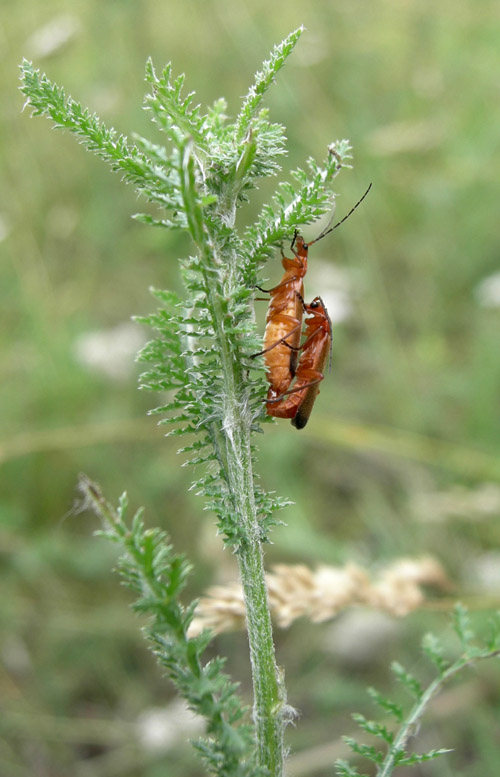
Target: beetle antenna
pixel 329 229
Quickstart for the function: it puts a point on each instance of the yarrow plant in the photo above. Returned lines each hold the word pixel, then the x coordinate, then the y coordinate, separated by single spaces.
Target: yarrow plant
pixel 201 361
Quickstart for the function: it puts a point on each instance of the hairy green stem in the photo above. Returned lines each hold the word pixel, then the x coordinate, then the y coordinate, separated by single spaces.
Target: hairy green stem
pixel 267 703
pixel 234 450
pixel 231 439
pixel 233 446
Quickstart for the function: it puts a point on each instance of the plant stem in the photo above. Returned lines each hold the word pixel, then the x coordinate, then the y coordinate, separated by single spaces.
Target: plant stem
pixel 267 711
pixel 233 447
pixel 268 703
pixel 408 726
pixel 418 709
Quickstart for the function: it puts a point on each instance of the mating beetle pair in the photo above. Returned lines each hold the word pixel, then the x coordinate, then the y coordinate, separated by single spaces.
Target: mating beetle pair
pixel 283 332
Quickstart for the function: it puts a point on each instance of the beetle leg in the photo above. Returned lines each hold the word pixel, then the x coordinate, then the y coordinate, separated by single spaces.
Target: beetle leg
pixel 281 341
pixel 294 390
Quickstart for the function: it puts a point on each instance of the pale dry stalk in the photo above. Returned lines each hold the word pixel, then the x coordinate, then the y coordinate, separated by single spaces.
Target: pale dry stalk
pixel 295 591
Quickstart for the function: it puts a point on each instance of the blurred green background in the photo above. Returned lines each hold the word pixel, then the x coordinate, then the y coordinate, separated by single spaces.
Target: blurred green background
pixel 401 456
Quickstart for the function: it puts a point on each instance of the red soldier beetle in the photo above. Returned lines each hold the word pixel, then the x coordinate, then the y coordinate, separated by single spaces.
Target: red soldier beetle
pixel 284 316
pixel 297 402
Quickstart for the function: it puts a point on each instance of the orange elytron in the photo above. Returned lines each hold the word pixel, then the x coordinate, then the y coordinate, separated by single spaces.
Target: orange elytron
pixel 284 321
pixel 297 402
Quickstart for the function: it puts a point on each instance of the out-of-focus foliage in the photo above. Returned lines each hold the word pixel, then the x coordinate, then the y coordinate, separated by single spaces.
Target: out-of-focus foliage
pixel 401 454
